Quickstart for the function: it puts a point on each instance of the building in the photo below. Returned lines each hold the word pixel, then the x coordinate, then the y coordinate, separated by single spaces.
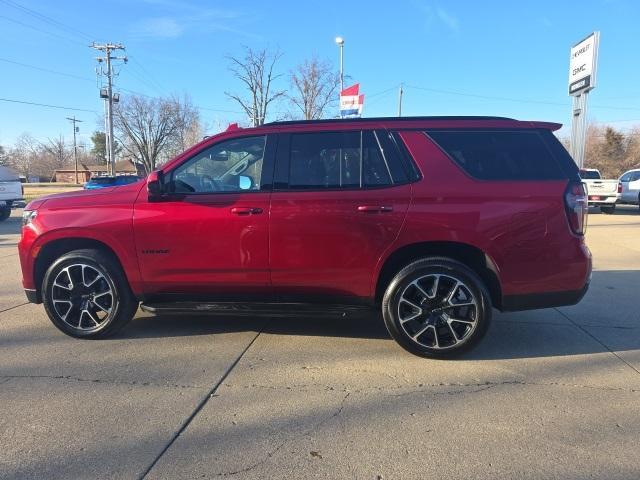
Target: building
pixel 85 172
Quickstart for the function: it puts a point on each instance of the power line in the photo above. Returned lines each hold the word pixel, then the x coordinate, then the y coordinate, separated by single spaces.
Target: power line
pixel 518 100
pixel 87 79
pixel 146 73
pixel 12 100
pixel 40 30
pixel 46 19
pixel 55 72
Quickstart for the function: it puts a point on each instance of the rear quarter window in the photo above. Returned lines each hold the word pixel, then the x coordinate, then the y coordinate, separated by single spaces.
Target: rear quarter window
pixel 500 155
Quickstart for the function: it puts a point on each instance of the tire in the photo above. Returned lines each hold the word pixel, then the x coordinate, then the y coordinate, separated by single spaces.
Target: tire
pixel 608 209
pixel 5 213
pixel 100 301
pixel 437 328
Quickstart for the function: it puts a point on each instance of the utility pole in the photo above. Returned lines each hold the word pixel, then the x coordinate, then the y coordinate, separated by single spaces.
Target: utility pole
pixel 108 49
pixel 74 120
pixel 400 101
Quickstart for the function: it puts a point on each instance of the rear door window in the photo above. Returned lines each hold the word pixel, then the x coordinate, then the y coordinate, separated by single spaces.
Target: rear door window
pixel 500 155
pixel 336 160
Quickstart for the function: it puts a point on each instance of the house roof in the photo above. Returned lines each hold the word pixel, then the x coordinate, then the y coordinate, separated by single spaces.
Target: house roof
pixel 121 166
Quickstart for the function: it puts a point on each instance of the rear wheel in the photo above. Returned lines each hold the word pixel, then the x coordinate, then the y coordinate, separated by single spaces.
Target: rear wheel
pixel 608 209
pixel 86 294
pixel 436 307
pixel 5 212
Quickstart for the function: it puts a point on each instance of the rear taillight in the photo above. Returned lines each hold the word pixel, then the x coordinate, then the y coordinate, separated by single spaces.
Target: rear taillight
pixel 619 187
pixel 577 207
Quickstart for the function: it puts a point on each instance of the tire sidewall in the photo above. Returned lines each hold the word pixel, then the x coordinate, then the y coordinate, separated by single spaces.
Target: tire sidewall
pixel 435 266
pixel 114 282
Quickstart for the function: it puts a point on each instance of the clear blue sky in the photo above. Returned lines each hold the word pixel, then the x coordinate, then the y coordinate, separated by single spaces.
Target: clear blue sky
pixel 507 49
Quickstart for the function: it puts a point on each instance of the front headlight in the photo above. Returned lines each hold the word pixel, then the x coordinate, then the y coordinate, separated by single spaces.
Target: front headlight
pixel 28 216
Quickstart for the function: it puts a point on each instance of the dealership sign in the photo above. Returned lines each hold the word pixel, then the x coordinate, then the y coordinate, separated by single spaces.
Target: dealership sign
pixel 351 102
pixel 583 64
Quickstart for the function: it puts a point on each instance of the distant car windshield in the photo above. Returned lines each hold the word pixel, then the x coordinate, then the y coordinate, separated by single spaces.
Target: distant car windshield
pixel 589 174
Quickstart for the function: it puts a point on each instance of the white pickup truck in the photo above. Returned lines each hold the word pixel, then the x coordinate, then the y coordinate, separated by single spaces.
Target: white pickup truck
pixel 601 193
pixel 10 191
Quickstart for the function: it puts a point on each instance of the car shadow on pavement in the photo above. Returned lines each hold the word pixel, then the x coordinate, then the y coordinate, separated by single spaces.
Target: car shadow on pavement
pixel 621 209
pixel 592 326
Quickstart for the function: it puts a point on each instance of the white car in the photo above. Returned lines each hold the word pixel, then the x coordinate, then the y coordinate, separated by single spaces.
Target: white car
pixel 10 191
pixel 630 182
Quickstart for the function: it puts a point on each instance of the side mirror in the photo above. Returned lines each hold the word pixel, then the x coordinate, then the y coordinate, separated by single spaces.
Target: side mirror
pixel 154 185
pixel 245 183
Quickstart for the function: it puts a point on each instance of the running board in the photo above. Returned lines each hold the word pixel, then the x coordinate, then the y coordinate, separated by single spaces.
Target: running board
pixel 254 309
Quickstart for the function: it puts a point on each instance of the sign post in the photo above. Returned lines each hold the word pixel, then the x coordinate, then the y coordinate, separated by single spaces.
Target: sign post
pixel 583 66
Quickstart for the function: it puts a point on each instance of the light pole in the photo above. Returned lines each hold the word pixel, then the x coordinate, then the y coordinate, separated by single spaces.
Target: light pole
pixel 340 43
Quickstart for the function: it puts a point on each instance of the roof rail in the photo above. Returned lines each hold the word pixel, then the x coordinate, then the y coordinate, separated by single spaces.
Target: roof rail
pixel 378 119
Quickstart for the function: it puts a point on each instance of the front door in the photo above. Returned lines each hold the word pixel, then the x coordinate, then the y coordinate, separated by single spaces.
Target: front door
pixel 335 209
pixel 210 236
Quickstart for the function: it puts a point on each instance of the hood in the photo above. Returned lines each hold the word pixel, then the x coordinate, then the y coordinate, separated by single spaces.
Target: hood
pixel 89 198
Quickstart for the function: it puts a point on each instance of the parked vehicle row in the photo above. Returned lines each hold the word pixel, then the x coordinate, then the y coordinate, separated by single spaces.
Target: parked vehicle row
pixel 432 220
pixel 607 193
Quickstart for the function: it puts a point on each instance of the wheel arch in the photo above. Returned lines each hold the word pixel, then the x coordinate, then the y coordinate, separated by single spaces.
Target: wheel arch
pixel 54 249
pixel 473 257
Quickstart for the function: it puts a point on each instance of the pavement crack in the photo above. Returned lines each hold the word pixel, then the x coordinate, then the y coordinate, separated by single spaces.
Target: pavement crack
pixel 15 306
pixel 480 386
pixel 99 380
pixel 580 327
pixel 210 394
pixel 254 465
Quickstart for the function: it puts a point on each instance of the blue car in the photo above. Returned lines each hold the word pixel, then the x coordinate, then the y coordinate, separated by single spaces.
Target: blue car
pixel 102 182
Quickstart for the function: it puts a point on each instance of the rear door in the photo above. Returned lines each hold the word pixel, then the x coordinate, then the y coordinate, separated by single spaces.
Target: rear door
pixel 338 203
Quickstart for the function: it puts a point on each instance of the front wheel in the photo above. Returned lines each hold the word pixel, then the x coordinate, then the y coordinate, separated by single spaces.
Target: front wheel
pixel 86 294
pixel 436 307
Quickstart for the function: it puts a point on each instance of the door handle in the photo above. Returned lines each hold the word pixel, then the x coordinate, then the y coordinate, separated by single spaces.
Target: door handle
pixel 246 210
pixel 375 208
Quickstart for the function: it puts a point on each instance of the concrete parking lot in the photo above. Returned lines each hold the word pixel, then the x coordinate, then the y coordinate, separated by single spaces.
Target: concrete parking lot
pixel 548 394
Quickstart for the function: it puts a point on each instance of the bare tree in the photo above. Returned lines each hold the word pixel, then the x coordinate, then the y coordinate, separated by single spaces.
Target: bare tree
pixel 255 71
pixel 150 128
pixel 189 129
pixel 56 154
pixel 23 156
pixel 314 86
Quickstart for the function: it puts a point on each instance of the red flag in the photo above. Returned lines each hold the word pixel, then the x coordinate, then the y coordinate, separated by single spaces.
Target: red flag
pixel 352 90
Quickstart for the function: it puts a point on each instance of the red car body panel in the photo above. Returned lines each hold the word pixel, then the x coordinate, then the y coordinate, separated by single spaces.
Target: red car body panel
pixel 521 226
pixel 319 242
pixel 198 245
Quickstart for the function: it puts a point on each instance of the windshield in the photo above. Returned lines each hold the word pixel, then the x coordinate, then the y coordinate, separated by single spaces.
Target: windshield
pixel 589 174
pixel 101 180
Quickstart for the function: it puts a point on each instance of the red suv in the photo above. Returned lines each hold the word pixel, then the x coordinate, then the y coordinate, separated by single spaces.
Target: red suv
pixel 434 220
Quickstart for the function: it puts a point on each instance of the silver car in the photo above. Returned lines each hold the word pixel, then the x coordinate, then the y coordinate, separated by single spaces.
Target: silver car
pixel 630 182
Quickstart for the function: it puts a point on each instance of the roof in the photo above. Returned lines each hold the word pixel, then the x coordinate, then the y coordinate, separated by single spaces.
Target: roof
pixel 422 122
pixel 8 175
